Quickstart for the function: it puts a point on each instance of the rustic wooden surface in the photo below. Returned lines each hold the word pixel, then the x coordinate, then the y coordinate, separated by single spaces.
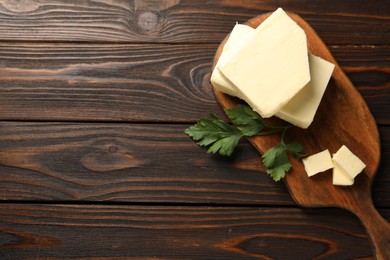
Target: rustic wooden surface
pixel 94 99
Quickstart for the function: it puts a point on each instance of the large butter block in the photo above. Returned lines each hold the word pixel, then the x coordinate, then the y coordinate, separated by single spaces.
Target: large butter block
pixel 272 67
pixel 301 109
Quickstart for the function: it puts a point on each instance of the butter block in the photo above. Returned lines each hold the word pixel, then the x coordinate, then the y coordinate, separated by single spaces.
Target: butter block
pixel 341 178
pixel 272 67
pixel 348 162
pixel 317 163
pixel 301 109
pixel 239 35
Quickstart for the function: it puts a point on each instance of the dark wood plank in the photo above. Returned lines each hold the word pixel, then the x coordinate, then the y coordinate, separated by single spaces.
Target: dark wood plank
pixel 183 20
pixel 120 162
pixel 136 232
pixel 382 182
pixel 138 163
pixel 133 82
pixel 105 82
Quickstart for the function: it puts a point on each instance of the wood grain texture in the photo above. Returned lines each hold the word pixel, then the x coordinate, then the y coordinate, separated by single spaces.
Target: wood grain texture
pixel 142 189
pixel 119 162
pixel 138 163
pixel 143 82
pixel 30 231
pixel 182 20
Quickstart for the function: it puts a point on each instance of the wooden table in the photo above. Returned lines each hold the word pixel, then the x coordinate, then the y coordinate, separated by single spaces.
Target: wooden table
pixel 94 163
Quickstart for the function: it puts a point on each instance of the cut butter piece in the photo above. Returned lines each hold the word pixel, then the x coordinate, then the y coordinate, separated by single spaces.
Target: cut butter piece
pixel 341 178
pixel 301 109
pixel 272 67
pixel 317 163
pixel 239 35
pixel 348 162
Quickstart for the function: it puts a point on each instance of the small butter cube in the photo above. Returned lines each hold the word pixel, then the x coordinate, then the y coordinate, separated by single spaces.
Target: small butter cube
pixel 239 35
pixel 318 162
pixel 348 162
pixel 272 67
pixel 341 178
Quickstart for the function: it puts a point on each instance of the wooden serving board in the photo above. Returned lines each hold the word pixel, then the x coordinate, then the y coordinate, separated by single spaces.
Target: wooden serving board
pixel 343 118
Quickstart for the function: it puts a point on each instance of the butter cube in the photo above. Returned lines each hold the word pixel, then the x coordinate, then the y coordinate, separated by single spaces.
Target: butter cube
pixel 348 162
pixel 341 178
pixel 318 162
pixel 272 67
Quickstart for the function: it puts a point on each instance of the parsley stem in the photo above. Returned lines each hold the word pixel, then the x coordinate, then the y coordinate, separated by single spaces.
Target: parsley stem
pixel 282 137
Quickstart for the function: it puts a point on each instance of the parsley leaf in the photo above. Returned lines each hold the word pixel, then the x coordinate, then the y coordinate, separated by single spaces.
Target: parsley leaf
pixel 280 167
pixel 246 120
pixel 276 158
pixel 296 149
pixel 271 155
pixel 221 136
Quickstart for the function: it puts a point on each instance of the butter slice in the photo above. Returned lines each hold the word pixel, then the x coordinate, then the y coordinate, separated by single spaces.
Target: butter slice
pixel 317 163
pixel 239 35
pixel 272 67
pixel 348 162
pixel 301 109
pixel 341 178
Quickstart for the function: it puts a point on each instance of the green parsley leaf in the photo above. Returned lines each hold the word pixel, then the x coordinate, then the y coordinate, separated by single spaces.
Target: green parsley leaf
pixel 276 158
pixel 214 132
pixel 280 167
pixel 271 155
pixel 297 149
pixel 276 161
pixel 246 120
pixel 222 138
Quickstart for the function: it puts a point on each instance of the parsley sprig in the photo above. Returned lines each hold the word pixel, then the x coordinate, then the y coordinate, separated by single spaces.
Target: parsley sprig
pixel 222 138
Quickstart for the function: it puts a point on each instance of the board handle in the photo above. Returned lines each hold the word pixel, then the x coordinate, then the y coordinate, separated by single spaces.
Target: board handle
pixel 378 229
